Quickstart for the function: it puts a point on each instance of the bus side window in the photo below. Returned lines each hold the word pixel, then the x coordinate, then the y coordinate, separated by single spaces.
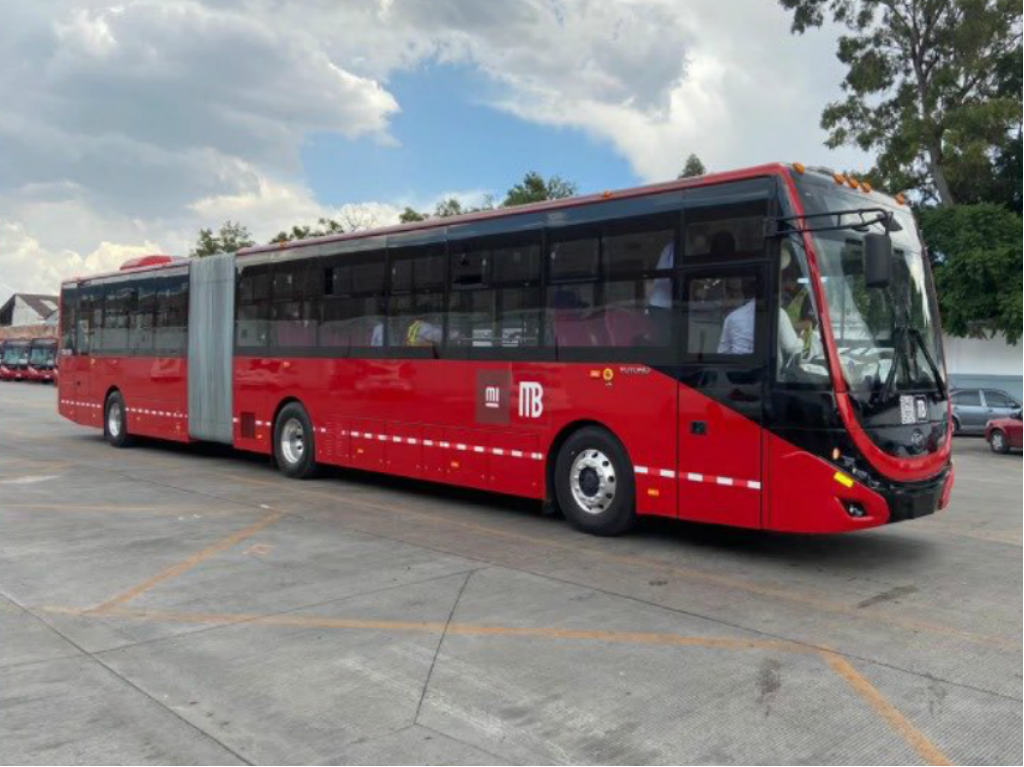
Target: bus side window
pixel 253 307
pixel 295 303
pixel 68 319
pixel 722 312
pixel 638 258
pixel 140 334
pixel 171 333
pixel 732 231
pixel 416 299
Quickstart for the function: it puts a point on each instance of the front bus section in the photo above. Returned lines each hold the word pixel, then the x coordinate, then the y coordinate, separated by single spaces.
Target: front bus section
pixel 859 429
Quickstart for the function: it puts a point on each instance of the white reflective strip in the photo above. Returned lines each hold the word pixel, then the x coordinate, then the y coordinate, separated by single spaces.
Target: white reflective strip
pixel 428 442
pixel 694 477
pixel 478 448
pixel 753 485
pixel 537 456
pixel 666 473
pixel 723 480
pixel 343 432
pixel 460 446
pixel 640 469
pixel 382 437
pixel 444 444
pixel 396 439
pixel 516 453
pixel 233 420
pixel 497 451
pixel 412 440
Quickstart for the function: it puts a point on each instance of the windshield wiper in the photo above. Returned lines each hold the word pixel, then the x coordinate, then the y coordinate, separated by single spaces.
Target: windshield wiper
pixel 866 217
pixel 936 374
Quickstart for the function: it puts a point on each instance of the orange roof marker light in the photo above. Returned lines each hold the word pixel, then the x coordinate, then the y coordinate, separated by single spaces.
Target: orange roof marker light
pixel 606 194
pixel 799 167
pixel 852 182
pixel 901 198
pixel 839 178
pixel 865 186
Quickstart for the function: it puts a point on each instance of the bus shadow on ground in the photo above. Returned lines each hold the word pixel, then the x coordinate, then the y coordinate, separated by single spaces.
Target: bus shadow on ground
pixel 873 546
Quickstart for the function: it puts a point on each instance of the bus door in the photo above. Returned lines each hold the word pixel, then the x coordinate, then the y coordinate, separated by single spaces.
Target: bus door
pixel 725 335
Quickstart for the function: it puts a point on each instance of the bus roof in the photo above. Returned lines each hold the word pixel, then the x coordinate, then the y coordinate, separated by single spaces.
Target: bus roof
pixel 710 179
pixel 536 207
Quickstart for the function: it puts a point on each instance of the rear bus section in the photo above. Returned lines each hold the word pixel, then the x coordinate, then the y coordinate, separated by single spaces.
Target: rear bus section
pixel 694 350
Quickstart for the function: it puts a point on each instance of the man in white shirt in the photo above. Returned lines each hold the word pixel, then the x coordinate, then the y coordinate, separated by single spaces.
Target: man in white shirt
pixel 738 332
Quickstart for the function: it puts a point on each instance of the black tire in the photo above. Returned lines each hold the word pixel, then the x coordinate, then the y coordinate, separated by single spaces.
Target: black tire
pixel 115 421
pixel 998 442
pixel 591 466
pixel 294 444
pixel 956 426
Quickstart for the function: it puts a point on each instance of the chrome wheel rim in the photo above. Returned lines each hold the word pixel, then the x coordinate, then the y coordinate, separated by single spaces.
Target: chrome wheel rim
pixel 592 481
pixel 997 440
pixel 114 416
pixel 293 440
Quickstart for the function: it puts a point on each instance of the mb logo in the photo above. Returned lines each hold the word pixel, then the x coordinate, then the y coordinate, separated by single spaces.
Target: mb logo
pixel 531 399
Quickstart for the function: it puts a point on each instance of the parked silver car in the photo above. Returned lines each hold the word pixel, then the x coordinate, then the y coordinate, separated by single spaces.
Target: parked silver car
pixel 973 408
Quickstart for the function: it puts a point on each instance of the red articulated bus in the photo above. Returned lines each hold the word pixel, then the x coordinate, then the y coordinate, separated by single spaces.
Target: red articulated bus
pixel 42 360
pixel 758 348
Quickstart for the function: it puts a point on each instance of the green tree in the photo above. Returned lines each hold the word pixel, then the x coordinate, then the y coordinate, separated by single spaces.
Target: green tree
pixel 932 85
pixel 533 188
pixel 409 216
pixel 978 266
pixel 325 227
pixel 693 167
pixel 448 207
pixel 231 237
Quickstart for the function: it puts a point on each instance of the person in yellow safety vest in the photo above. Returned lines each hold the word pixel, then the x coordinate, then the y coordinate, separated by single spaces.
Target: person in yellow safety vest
pixel 422 333
pixel 795 298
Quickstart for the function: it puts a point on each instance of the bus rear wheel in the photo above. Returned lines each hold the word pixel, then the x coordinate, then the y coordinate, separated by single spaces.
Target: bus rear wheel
pixel 115 421
pixel 294 449
pixel 594 482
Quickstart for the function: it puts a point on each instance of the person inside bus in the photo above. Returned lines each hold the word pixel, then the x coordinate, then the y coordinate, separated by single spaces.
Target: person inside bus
pixel 422 333
pixel 738 329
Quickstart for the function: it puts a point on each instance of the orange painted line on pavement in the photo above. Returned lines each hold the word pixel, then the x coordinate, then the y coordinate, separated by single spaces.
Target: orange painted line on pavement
pixel 868 692
pixel 726 581
pixel 892 715
pixel 175 570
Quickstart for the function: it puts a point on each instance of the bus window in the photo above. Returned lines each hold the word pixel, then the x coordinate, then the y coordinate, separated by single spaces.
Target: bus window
pixel 725 231
pixel 68 319
pixel 416 302
pixel 140 334
pixel 253 309
pixel 118 303
pixel 295 300
pixel 170 331
pixel 721 313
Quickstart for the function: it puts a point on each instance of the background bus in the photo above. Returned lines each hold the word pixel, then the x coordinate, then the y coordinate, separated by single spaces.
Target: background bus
pixel 42 360
pixel 725 349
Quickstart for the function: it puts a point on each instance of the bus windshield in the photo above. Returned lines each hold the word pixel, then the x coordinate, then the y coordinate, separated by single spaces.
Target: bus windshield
pixel 887 337
pixel 41 355
pixel 15 354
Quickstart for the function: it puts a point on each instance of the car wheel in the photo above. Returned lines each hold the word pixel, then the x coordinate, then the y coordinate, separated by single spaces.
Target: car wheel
pixel 594 483
pixel 115 421
pixel 956 427
pixel 294 447
pixel 998 442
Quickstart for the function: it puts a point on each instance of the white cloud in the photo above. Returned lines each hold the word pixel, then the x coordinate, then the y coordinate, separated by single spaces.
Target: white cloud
pixel 128 124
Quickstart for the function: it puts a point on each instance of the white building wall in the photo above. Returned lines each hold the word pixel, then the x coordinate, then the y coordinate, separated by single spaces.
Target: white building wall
pixel 985 362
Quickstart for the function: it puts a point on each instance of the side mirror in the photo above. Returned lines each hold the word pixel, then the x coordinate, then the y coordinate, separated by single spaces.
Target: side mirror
pixel 877 260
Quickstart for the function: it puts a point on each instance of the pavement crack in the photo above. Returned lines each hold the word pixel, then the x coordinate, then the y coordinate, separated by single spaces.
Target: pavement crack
pixel 440 641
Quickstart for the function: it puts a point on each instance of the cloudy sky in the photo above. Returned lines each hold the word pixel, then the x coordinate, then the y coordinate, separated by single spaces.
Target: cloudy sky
pixel 128 125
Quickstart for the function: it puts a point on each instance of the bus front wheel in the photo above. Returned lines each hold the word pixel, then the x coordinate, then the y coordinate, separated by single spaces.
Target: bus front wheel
pixel 293 442
pixel 115 421
pixel 594 482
